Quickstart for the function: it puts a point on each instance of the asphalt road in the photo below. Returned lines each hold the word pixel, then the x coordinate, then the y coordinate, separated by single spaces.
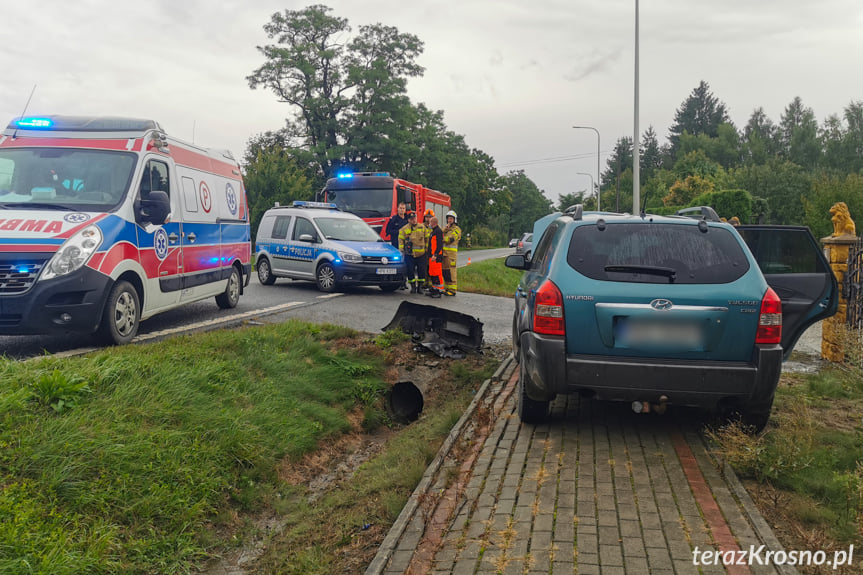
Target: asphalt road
pixel 365 309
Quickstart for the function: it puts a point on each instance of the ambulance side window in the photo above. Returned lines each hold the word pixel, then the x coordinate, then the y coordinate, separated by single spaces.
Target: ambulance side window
pixel 155 177
pixel 189 196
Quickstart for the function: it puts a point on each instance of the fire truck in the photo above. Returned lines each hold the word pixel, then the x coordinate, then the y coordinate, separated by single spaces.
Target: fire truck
pixel 375 196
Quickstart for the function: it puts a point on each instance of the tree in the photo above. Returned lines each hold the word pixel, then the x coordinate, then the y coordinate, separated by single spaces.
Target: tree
pixel 347 94
pixel 700 113
pixel 528 202
pixel 798 130
pixel 651 154
pixel 760 138
pixel 272 175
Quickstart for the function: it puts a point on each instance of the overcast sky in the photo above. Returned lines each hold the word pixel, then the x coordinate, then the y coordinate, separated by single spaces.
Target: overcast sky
pixel 512 76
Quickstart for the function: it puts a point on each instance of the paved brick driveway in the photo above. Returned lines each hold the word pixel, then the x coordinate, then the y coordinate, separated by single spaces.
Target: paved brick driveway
pixel 598 489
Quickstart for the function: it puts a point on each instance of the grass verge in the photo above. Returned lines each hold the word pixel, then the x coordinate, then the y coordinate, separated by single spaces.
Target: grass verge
pixel 154 458
pixel 805 469
pixel 489 277
pixel 129 459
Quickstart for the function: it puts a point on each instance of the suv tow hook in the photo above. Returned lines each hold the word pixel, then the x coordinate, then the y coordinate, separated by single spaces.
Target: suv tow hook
pixel 647 407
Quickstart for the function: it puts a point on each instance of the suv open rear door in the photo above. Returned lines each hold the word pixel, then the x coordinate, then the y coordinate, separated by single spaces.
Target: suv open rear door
pixel 795 267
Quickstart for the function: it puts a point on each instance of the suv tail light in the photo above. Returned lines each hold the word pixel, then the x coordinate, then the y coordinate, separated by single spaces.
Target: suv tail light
pixel 770 320
pixel 548 310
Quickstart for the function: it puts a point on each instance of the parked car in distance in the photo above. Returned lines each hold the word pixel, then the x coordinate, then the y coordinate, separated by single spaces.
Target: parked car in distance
pixel 317 242
pixel 513 242
pixel 525 245
pixel 664 310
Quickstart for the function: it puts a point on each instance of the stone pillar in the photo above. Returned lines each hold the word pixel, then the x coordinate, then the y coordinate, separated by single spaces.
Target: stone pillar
pixel 836 248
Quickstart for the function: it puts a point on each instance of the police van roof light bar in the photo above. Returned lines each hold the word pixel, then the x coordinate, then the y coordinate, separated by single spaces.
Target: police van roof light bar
pixel 325 205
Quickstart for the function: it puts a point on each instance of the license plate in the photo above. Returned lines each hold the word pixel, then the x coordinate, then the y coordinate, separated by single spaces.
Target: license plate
pixel 646 333
pixel 387 271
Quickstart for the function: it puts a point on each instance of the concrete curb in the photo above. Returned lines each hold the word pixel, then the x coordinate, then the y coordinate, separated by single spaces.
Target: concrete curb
pixel 385 551
pixel 759 524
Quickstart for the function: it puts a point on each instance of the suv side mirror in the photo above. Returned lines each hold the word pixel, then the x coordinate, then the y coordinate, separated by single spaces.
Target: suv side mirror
pixel 516 261
pixel 155 208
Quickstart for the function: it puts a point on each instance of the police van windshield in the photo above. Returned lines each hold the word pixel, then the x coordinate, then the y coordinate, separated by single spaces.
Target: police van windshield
pixel 64 178
pixel 346 230
pixel 366 203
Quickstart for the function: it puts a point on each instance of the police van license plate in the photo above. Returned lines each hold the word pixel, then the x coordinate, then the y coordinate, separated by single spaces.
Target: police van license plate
pixel 387 271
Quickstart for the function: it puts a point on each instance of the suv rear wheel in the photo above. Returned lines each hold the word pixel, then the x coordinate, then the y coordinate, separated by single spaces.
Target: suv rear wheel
pixel 529 410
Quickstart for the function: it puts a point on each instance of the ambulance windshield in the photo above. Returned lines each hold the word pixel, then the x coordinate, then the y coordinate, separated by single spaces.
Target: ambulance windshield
pixel 366 203
pixel 64 178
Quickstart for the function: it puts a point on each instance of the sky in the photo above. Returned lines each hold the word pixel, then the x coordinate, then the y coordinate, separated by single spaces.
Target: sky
pixel 511 76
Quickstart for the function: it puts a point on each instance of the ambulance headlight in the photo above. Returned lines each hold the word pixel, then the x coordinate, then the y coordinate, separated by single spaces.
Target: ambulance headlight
pixel 73 254
pixel 351 257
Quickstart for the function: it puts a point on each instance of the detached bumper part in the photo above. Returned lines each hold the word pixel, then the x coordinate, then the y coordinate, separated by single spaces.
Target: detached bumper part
pixel 445 332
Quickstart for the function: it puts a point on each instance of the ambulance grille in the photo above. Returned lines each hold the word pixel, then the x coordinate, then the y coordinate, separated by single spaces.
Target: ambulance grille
pixel 18 277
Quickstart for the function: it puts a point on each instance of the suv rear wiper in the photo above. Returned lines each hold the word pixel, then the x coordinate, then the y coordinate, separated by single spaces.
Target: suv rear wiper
pixel 38 206
pixel 670 273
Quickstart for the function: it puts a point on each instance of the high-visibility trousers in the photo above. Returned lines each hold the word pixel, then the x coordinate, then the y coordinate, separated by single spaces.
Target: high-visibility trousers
pixel 450 258
pixel 416 268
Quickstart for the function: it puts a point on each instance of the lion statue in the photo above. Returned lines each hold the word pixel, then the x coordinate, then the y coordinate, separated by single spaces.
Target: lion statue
pixel 843 225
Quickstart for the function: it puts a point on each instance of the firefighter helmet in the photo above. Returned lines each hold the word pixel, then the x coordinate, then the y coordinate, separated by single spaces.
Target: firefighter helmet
pixel 428 212
pixel 453 214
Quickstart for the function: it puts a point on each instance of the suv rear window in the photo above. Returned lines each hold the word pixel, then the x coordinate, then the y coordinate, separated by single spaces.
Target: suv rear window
pixel 657 253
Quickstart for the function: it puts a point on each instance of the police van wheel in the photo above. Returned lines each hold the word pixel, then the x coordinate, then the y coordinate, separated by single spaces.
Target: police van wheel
pixel 229 298
pixel 326 277
pixel 121 316
pixel 265 274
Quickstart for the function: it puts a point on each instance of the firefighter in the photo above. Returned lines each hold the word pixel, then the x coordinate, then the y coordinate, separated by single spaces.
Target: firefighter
pixel 451 236
pixel 413 242
pixel 436 286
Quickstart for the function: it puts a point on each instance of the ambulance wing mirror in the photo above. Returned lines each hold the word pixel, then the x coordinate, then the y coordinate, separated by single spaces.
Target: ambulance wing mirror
pixel 156 208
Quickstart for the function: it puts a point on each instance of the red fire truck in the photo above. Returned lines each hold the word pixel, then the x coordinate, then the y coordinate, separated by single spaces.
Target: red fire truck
pixel 375 196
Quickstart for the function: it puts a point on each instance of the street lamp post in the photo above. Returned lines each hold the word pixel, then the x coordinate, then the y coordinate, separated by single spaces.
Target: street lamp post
pixel 591 185
pixel 598 175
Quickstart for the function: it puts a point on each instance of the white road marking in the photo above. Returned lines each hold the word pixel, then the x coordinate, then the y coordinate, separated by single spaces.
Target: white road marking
pixel 329 295
pixel 217 321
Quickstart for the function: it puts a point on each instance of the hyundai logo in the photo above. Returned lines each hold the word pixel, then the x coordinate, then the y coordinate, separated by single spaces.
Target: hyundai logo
pixel 661 304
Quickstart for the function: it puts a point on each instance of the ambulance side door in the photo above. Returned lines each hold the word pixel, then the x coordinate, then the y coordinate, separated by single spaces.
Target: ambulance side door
pixel 159 248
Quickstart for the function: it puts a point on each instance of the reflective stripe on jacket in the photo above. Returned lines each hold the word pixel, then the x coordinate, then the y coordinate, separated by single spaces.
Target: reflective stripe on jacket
pixel 418 236
pixel 451 236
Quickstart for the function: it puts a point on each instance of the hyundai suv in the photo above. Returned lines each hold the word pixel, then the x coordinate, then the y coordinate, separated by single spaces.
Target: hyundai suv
pixel 664 310
pixel 317 242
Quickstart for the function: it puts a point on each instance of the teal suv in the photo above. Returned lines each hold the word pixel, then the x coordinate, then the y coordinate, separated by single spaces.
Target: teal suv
pixel 664 310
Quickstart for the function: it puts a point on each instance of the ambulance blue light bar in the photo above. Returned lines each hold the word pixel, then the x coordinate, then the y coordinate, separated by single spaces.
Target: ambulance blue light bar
pixel 301 204
pixel 34 123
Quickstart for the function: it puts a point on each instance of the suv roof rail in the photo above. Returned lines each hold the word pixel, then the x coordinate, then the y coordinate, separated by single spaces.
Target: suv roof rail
pixel 575 211
pixel 704 212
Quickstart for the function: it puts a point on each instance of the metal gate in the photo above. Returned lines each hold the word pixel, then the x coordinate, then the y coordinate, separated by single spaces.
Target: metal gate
pixel 852 287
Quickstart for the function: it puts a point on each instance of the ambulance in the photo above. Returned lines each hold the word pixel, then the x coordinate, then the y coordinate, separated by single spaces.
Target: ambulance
pixel 107 221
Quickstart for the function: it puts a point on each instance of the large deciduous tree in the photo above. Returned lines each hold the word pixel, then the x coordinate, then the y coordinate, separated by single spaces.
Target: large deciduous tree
pixel 347 93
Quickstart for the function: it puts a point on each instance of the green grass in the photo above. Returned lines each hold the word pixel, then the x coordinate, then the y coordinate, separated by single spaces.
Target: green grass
pixel 489 277
pixel 129 460
pixel 811 452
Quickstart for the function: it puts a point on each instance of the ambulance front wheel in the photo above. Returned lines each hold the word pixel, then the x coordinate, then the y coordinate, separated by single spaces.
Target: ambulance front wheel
pixel 122 314
pixel 325 277
pixel 229 298
pixel 265 274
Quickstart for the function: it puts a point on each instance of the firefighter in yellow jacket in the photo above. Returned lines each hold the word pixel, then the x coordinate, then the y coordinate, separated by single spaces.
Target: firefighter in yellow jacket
pixel 451 237
pixel 413 243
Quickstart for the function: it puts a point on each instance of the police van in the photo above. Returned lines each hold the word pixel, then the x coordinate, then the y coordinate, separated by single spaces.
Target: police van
pixel 106 221
pixel 316 241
